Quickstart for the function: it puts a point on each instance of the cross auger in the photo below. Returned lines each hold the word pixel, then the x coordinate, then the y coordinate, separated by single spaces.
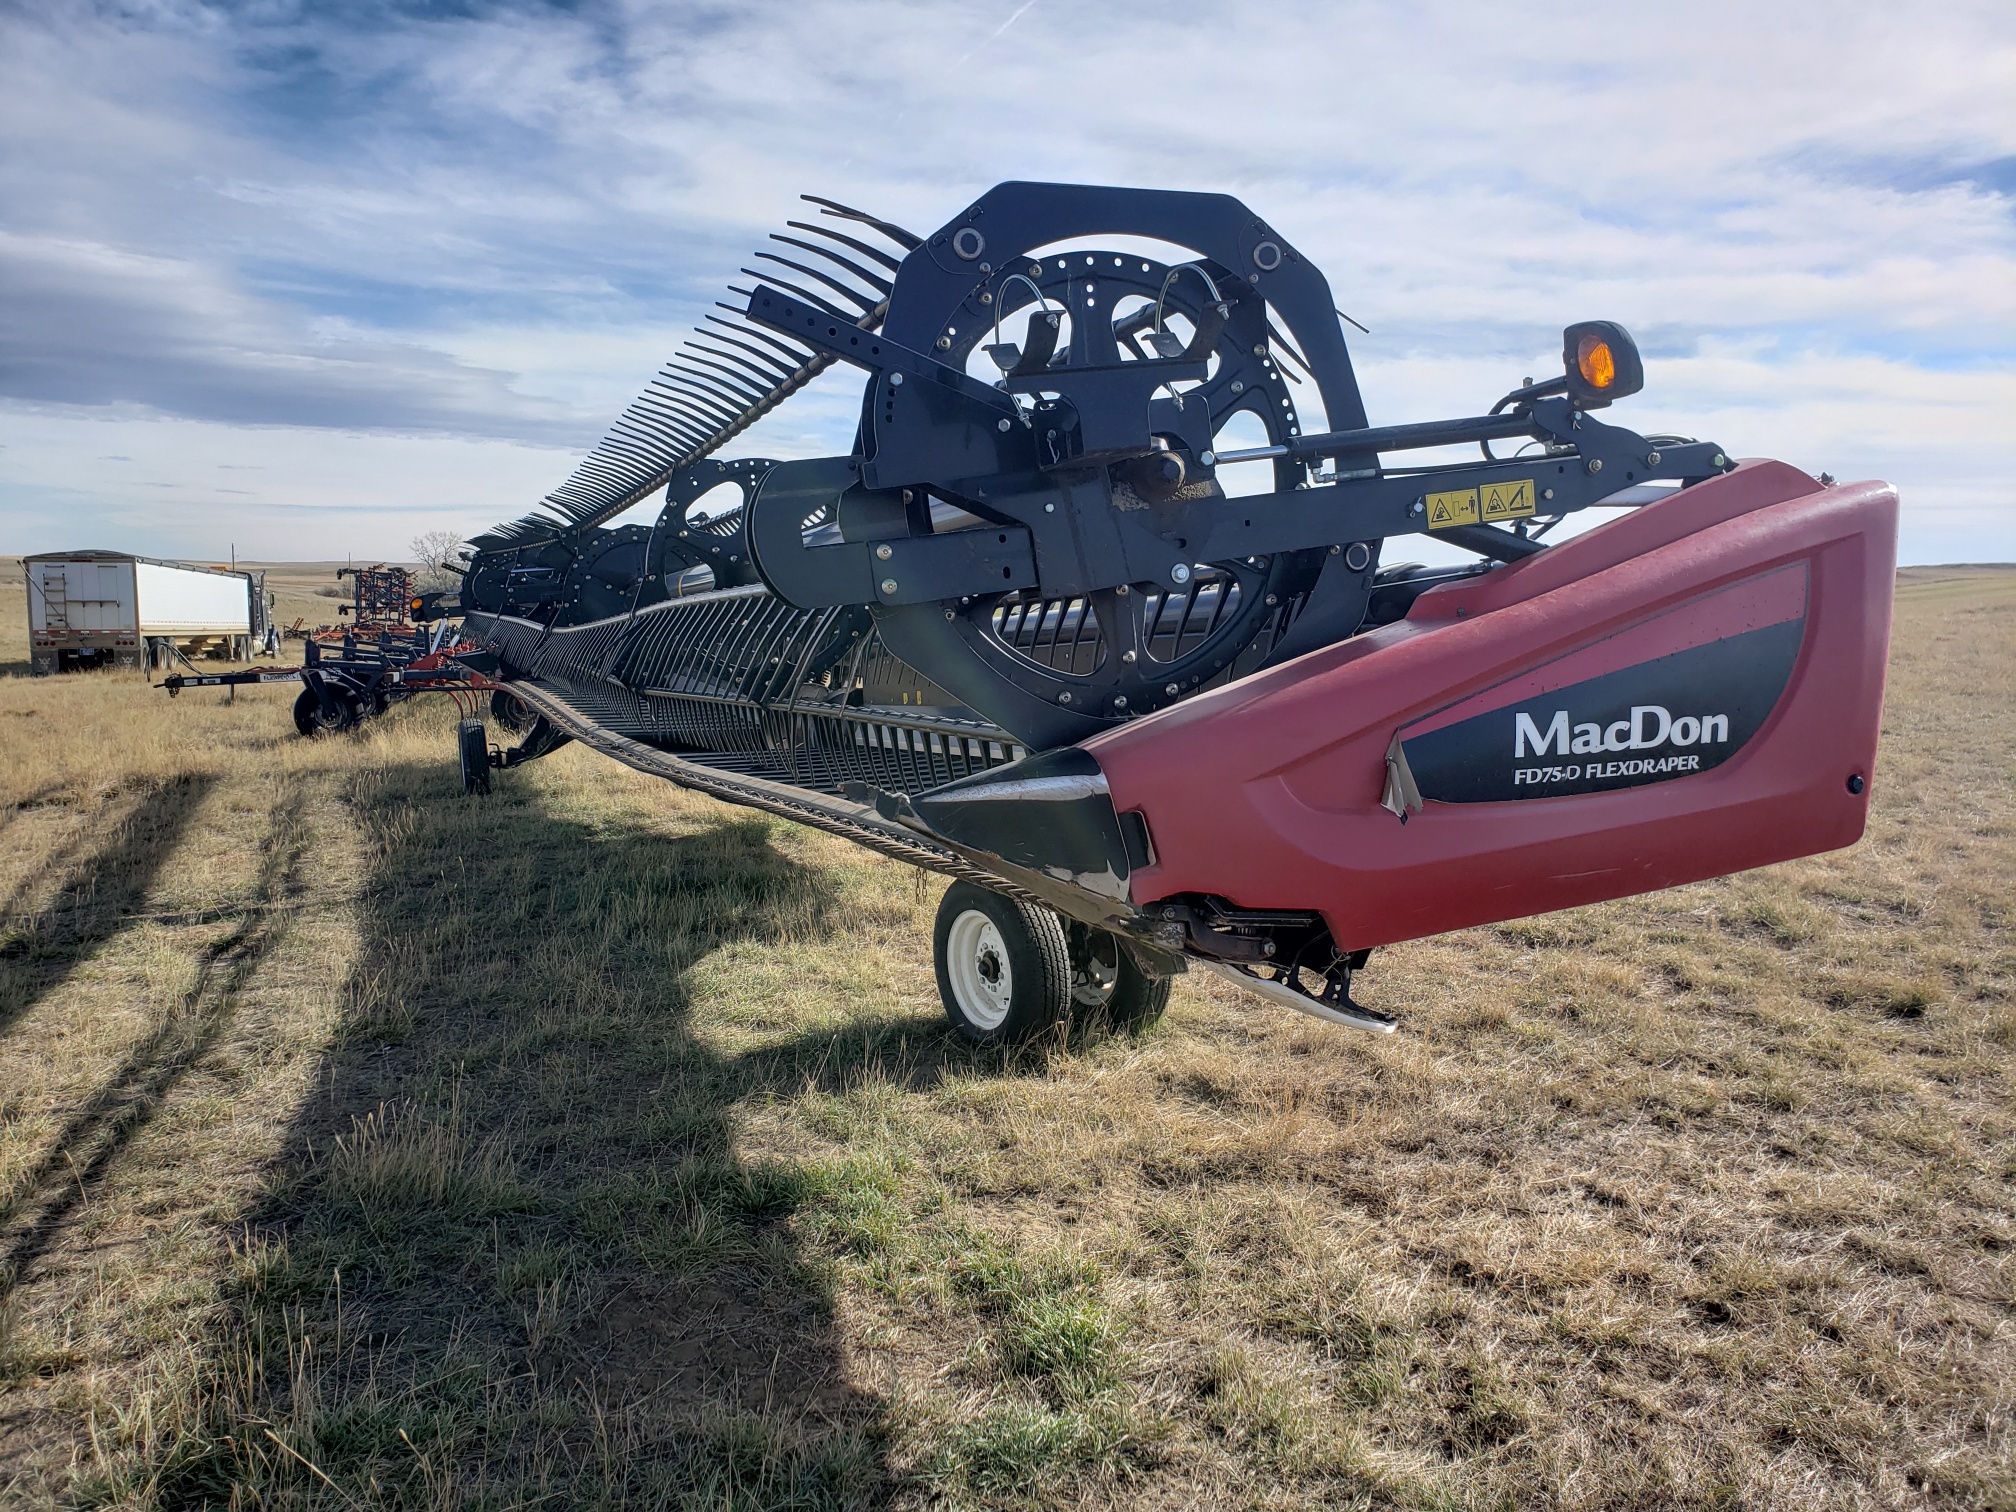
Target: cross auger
pixel 1023 636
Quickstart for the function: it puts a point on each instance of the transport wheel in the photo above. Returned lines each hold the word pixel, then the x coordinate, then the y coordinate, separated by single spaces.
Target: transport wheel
pixel 511 711
pixel 473 741
pixel 1004 970
pixel 1106 985
pixel 310 718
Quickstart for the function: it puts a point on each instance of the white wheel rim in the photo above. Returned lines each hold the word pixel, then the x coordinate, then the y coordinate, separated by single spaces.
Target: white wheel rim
pixel 976 961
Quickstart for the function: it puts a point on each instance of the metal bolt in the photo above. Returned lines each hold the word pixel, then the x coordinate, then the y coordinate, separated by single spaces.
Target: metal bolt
pixel 986 296
pixel 1063 698
pixel 1335 549
pixel 1651 459
pixel 1267 947
pixel 883 553
pixel 944 343
pixel 1121 590
pixel 1252 278
pixel 1171 689
pixel 1595 465
pixel 1130 657
pixel 1050 508
pixel 888 585
pixel 1720 460
pixel 1546 493
pixel 895 380
pixel 1179 574
pixel 1238 387
pixel 1120 701
pixel 1209 459
pixel 1418 507
pixel 1002 424
pixel 1272 601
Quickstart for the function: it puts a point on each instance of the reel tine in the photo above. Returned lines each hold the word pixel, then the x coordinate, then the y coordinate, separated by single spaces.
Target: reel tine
pixel 733 380
pixel 720 388
pixel 799 355
pixel 729 335
pixel 677 422
pixel 646 427
pixel 715 409
pixel 740 367
pixel 721 384
pixel 773 370
pixel 874 281
pixel 805 294
pixel 891 263
pixel 897 234
pixel 865 301
pixel 1280 338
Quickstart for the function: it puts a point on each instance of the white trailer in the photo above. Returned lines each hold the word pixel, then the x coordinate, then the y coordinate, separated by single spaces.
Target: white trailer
pixel 96 608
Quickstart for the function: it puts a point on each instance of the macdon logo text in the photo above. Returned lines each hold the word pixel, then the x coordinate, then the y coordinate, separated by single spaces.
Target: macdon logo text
pixel 1648 727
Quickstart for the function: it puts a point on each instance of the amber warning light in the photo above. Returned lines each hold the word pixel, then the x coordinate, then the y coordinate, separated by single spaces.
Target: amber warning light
pixel 1601 361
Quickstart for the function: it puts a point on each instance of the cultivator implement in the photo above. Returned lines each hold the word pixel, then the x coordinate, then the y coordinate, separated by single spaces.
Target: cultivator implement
pixel 1023 634
pixel 395 643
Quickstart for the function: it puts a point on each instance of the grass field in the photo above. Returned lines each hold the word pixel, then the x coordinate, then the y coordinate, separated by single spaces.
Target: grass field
pixel 595 1145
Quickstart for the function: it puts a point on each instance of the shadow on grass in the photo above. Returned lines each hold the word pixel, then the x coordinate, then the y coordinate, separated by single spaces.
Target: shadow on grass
pixel 513 1252
pixel 102 878
pixel 41 1198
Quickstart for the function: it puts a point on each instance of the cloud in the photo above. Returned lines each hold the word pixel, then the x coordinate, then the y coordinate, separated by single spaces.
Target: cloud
pixel 493 221
pixel 87 325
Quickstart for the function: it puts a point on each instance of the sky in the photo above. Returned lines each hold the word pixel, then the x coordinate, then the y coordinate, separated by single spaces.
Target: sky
pixel 302 281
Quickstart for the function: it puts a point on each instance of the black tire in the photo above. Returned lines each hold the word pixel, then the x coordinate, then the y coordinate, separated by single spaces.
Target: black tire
pixel 1107 987
pixel 311 719
pixel 473 741
pixel 1004 969
pixel 511 711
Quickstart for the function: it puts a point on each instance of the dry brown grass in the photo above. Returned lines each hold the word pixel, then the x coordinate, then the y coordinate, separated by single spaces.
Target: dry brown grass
pixel 362 1146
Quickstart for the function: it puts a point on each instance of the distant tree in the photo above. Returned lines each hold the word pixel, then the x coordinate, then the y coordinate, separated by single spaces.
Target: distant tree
pixel 439 553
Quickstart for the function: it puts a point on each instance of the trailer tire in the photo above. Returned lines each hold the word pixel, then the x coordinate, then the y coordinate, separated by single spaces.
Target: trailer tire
pixel 310 718
pixel 1004 967
pixel 1108 986
pixel 511 711
pixel 472 740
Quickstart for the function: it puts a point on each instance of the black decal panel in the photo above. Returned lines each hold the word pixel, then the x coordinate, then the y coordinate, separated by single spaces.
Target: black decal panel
pixel 1670 717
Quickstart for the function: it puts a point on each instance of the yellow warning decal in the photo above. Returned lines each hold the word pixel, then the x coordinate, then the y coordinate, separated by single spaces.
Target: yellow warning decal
pixel 1507 501
pixel 1456 508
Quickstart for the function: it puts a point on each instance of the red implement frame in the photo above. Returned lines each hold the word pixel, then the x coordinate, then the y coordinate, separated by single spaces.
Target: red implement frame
pixel 1268 792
